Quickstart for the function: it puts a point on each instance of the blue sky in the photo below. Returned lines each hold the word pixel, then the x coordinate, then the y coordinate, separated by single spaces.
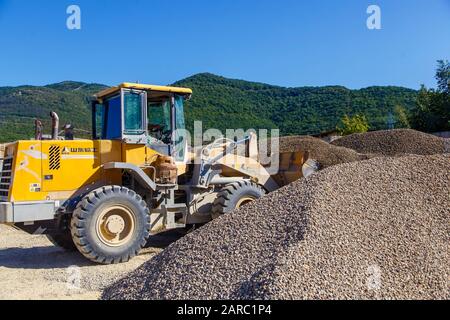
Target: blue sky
pixel 285 42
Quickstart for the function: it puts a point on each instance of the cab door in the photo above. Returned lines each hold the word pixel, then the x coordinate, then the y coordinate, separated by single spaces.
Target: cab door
pixel 134 116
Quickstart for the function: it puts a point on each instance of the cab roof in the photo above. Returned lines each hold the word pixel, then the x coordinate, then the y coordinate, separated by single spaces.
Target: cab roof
pixel 139 86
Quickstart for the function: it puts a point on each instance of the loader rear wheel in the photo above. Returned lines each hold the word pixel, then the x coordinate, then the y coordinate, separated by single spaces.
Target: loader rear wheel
pixel 62 240
pixel 111 225
pixel 236 195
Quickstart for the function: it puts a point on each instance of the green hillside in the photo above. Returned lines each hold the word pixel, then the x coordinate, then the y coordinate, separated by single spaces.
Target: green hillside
pixel 219 102
pixel 222 103
pixel 19 106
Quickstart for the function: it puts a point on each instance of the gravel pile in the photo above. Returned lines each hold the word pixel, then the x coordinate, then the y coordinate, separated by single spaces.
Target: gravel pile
pixel 362 230
pixel 395 142
pixel 327 154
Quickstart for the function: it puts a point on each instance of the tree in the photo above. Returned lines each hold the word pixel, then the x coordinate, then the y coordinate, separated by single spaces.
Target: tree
pixel 356 124
pixel 401 116
pixel 443 76
pixel 432 111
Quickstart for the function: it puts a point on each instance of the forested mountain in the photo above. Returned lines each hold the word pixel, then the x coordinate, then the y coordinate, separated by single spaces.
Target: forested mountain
pixel 222 102
pixel 219 102
pixel 19 106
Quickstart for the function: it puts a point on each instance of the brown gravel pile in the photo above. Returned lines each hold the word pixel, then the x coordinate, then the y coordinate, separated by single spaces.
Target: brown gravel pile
pixel 362 230
pixel 395 142
pixel 327 154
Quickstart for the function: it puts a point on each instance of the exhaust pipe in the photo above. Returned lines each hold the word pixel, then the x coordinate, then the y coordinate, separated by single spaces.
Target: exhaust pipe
pixel 55 125
pixel 37 129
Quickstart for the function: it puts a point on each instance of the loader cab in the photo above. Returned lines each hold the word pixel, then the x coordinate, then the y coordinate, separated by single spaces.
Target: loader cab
pixel 143 114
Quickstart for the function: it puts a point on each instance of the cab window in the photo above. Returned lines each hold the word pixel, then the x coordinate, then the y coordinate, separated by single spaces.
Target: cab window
pixel 98 120
pixel 159 121
pixel 113 128
pixel 133 121
pixel 180 138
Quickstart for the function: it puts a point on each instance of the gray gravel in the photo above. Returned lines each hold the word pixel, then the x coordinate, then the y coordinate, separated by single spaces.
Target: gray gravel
pixel 376 229
pixel 395 142
pixel 327 154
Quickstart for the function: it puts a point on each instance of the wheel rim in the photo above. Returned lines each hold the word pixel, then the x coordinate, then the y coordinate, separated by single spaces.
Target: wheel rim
pixel 244 201
pixel 115 225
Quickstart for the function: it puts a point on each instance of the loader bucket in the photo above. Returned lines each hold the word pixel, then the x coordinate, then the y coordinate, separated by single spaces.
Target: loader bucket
pixel 292 167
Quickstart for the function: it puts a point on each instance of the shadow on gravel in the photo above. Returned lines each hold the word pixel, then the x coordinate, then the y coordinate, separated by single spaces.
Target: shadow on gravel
pixel 48 257
pixel 163 240
pixel 40 258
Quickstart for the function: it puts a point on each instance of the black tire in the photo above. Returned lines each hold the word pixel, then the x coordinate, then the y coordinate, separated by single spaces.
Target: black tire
pixel 62 240
pixel 89 238
pixel 229 198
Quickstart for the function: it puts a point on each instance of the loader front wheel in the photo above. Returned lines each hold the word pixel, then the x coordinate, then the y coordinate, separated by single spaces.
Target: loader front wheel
pixel 236 195
pixel 111 225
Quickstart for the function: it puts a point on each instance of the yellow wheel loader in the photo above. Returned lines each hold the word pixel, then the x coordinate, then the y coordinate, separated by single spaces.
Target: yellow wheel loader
pixel 105 197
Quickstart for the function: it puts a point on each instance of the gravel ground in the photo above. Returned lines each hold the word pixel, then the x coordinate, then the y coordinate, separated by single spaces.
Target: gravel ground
pixel 32 268
pixel 376 229
pixel 395 142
